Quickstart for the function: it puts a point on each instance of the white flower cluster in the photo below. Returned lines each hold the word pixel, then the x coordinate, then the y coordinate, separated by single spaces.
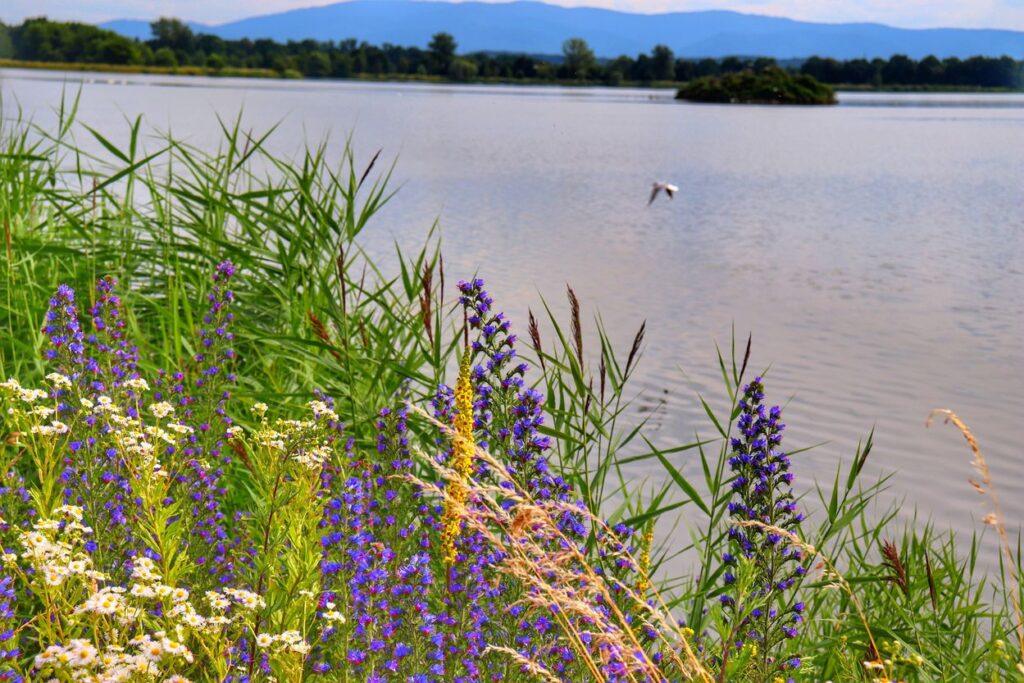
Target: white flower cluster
pixel 53 429
pixel 137 384
pixel 142 660
pixel 289 641
pixel 132 437
pixel 333 615
pixel 148 586
pixel 14 389
pixel 53 548
pixel 59 381
pixel 304 440
pixel 161 409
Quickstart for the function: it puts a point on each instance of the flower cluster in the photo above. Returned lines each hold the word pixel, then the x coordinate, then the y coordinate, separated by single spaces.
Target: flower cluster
pixel 155 537
pixel 762 613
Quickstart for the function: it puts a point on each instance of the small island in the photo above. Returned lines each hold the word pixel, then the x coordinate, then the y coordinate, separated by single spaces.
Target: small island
pixel 770 85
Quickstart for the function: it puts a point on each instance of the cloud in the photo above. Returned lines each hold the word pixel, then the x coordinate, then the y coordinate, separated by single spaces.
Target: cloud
pixel 1007 14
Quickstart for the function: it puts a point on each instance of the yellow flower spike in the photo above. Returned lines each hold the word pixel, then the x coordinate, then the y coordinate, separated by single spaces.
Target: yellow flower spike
pixel 463 446
pixel 644 583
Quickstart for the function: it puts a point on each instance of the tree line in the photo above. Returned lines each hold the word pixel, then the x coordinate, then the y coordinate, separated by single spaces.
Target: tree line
pixel 175 44
pixel 901 70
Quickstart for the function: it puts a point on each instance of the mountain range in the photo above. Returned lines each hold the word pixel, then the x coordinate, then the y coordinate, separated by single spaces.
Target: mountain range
pixel 539 28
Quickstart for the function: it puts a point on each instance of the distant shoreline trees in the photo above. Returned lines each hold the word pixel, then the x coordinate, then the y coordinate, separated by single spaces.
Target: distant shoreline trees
pixel 900 70
pixel 770 85
pixel 174 44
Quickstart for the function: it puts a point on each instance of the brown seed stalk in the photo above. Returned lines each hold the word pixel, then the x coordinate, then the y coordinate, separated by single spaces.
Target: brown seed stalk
pixel 931 583
pixel 535 339
pixel 320 330
pixel 426 301
pixel 638 340
pixel 368 169
pixel 892 561
pixel 577 328
pixel 746 355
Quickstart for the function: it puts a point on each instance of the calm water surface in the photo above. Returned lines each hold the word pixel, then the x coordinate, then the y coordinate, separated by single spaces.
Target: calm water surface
pixel 874 249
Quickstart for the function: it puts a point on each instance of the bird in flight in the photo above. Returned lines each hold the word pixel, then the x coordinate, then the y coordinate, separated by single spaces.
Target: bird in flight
pixel 657 187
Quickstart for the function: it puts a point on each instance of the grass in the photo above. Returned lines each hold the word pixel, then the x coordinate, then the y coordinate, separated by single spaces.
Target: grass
pixel 314 312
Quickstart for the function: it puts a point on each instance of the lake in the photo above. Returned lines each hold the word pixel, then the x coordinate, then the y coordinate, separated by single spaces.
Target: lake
pixel 874 249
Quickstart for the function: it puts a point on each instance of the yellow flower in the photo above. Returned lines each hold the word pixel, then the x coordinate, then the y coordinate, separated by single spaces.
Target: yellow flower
pixel 463 447
pixel 644 581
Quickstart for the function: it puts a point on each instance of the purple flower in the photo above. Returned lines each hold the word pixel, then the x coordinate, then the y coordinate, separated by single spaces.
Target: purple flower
pixel 761 493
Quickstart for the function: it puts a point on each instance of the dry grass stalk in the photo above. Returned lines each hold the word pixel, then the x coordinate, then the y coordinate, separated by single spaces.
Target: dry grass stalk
pixel 528 664
pixel 995 518
pixel 477 518
pixel 565 578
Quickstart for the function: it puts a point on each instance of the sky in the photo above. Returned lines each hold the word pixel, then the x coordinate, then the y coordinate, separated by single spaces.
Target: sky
pixel 1006 14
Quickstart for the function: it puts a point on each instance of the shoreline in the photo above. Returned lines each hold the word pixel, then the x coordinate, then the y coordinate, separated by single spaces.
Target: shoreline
pixel 268 74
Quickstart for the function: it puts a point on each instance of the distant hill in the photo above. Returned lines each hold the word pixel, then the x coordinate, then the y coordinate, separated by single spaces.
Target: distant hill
pixel 539 28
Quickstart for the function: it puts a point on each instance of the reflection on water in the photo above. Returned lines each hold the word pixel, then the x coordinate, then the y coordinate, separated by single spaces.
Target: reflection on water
pixel 874 249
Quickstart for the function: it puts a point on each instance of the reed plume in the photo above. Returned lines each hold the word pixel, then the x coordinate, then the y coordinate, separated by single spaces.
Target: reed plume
pixel 634 350
pixel 897 571
pixel 426 301
pixel 534 330
pixel 995 518
pixel 320 330
pixel 576 327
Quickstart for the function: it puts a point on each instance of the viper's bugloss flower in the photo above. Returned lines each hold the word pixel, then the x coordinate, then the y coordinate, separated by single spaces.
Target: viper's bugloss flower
pixel 762 493
pixel 117 357
pixel 66 340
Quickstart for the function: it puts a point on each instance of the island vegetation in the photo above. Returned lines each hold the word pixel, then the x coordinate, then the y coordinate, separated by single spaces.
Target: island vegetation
pixel 176 48
pixel 770 85
pixel 235 448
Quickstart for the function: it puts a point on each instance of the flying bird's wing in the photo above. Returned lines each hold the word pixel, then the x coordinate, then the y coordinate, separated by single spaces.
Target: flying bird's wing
pixel 654 193
pixel 670 190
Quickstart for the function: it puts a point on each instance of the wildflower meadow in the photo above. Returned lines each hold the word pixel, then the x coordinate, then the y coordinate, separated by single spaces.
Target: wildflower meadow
pixel 236 448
